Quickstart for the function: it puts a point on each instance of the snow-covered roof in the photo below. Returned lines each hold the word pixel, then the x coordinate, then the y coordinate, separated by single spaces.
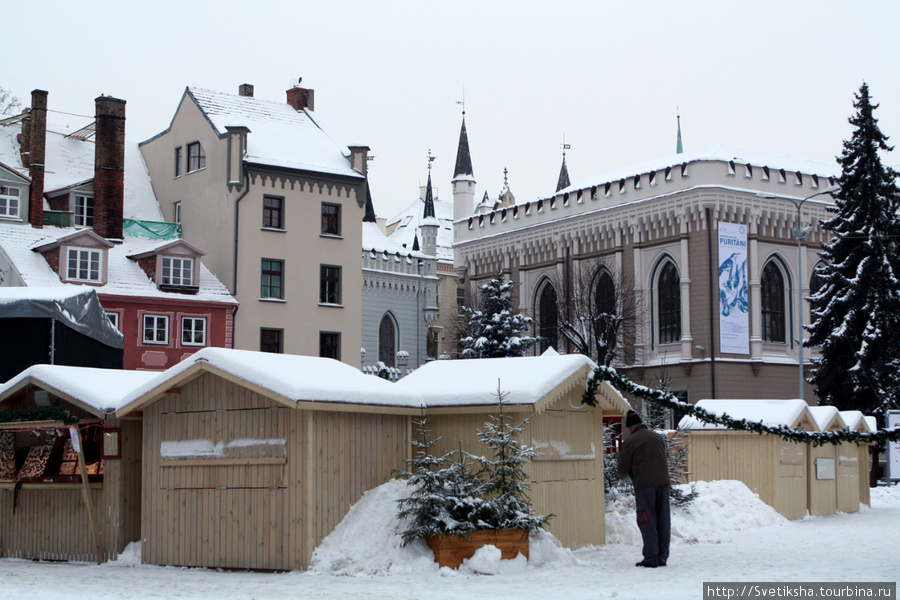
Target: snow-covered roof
pixel 76 306
pixel 854 420
pixel 827 418
pixel 125 276
pixel 70 162
pixel 279 135
pixel 374 240
pixel 789 413
pixel 523 380
pixel 723 153
pixel 408 222
pixel 291 378
pixel 100 391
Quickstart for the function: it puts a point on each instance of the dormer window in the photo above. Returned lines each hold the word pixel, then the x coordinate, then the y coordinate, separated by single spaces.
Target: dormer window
pixel 84 264
pixel 177 271
pixel 10 202
pixel 196 157
pixel 84 211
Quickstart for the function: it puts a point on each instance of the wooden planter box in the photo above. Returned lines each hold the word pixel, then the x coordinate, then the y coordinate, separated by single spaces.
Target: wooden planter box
pixel 451 550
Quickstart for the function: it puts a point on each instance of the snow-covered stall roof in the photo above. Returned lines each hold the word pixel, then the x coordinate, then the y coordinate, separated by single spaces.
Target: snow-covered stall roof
pixel 722 153
pixel 827 418
pixel 789 413
pixel 524 380
pixel 289 378
pixel 99 391
pixel 76 306
pixel 279 135
pixel 125 277
pixel 855 420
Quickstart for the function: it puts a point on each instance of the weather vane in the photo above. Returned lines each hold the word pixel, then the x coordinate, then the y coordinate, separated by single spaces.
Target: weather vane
pixel 430 159
pixel 463 102
pixel 564 145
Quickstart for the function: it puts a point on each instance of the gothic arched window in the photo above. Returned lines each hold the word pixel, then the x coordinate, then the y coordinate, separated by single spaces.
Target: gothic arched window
pixel 387 341
pixel 772 309
pixel 548 315
pixel 669 304
pixel 605 315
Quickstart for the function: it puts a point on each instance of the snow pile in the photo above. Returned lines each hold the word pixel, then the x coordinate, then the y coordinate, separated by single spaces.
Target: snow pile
pixel 720 509
pixel 885 497
pixel 130 556
pixel 368 542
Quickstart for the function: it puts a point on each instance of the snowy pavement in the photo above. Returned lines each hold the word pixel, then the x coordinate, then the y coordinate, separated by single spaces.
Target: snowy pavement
pixel 727 535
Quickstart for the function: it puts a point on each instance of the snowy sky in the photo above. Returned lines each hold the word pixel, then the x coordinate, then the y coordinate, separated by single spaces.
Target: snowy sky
pixel 607 77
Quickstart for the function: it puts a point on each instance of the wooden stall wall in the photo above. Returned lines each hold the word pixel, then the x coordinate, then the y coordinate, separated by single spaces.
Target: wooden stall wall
pixel 864 468
pixel 215 488
pixel 742 456
pixel 848 471
pixel 791 484
pixel 822 492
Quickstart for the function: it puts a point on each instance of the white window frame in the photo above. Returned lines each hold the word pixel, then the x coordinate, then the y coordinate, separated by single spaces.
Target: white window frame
pixel 180 271
pixel 80 205
pixel 178 212
pixel 113 316
pixel 160 325
pixel 77 254
pixel 10 204
pixel 189 326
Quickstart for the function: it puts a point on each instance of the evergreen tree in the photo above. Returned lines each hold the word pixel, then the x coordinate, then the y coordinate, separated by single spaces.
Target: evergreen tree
pixel 493 331
pixel 856 310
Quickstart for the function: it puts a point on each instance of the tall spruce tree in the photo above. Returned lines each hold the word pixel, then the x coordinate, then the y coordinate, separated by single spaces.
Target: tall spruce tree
pixel 856 309
pixel 493 331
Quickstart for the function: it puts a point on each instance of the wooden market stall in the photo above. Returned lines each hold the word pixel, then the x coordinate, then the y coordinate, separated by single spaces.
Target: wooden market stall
pixel 854 420
pixel 770 466
pixel 567 474
pixel 65 495
pixel 826 479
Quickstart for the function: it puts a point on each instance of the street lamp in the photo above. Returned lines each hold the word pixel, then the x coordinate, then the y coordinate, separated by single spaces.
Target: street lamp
pixel 800 235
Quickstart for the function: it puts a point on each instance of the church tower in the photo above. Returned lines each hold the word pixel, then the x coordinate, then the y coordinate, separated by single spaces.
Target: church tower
pixel 463 180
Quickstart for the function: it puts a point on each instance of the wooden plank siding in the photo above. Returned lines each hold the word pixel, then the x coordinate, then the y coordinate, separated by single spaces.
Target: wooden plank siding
pixel 847 472
pixel 50 521
pixel 256 505
pixel 822 492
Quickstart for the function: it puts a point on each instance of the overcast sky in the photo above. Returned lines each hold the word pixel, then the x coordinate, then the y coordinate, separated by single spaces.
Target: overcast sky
pixel 608 77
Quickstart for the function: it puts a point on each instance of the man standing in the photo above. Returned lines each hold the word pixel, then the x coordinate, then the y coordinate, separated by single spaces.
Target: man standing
pixel 643 458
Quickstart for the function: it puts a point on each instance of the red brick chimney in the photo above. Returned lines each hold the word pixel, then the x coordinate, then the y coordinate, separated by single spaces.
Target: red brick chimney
pixel 301 98
pixel 37 141
pixel 109 167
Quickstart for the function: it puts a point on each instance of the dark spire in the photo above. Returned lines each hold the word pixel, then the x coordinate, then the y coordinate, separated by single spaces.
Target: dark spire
pixel 679 149
pixel 370 208
pixel 416 241
pixel 563 181
pixel 463 158
pixel 429 199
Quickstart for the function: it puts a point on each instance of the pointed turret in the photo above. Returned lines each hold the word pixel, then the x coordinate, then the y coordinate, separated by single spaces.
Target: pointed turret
pixel 563 182
pixel 679 149
pixel 429 198
pixel 463 179
pixel 429 224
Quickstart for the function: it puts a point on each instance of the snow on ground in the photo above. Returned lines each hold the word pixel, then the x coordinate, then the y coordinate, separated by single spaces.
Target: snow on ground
pixel 727 534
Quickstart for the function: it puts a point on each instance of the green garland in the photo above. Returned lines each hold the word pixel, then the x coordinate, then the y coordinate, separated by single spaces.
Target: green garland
pixel 50 413
pixel 666 399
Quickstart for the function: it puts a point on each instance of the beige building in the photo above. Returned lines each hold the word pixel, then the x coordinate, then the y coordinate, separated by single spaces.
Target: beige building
pixel 650 236
pixel 277 206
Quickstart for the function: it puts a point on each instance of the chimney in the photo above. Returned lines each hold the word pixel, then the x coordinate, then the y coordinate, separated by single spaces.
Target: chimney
pixel 301 98
pixel 246 90
pixel 109 167
pixel 37 142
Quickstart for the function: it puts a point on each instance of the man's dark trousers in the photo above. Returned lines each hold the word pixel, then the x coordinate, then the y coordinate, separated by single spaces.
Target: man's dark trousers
pixel 653 519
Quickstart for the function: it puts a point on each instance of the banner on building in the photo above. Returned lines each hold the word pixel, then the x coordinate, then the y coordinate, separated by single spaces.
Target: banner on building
pixel 734 294
pixel 893 448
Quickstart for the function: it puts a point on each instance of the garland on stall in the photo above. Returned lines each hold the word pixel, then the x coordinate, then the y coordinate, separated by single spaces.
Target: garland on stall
pixel 50 413
pixel 668 400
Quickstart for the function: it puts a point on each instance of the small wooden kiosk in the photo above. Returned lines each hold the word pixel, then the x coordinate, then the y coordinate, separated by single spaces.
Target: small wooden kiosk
pixel 774 468
pixel 66 496
pixel 854 420
pixel 827 478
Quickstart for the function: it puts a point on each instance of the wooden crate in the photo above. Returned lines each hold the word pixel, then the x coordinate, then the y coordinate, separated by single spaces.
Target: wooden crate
pixel 451 550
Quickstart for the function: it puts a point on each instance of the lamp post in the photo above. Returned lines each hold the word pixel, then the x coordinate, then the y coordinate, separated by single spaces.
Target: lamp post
pixel 800 234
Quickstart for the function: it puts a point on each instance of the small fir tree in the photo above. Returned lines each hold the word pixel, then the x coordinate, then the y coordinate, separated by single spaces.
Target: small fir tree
pixel 493 331
pixel 856 310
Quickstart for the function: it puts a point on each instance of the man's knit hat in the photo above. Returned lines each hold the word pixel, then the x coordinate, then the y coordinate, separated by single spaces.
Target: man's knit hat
pixel 632 419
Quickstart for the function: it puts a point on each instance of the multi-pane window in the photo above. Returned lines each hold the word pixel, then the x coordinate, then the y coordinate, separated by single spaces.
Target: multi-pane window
pixel 772 309
pixel 10 201
pixel 330 285
pixel 330 344
pixel 156 329
pixel 193 331
pixel 272 282
pixel 271 340
pixel 178 161
pixel 177 271
pixel 331 219
pixel 273 212
pixel 113 318
pixel 549 317
pixel 84 264
pixel 669 307
pixel 196 157
pixel 84 211
pixel 387 341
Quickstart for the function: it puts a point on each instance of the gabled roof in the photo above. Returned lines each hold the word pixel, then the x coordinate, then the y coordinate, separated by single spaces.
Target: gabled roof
pixel 827 418
pixel 98 391
pixel 408 221
pixel 290 379
pixel 790 413
pixel 279 135
pixel 855 420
